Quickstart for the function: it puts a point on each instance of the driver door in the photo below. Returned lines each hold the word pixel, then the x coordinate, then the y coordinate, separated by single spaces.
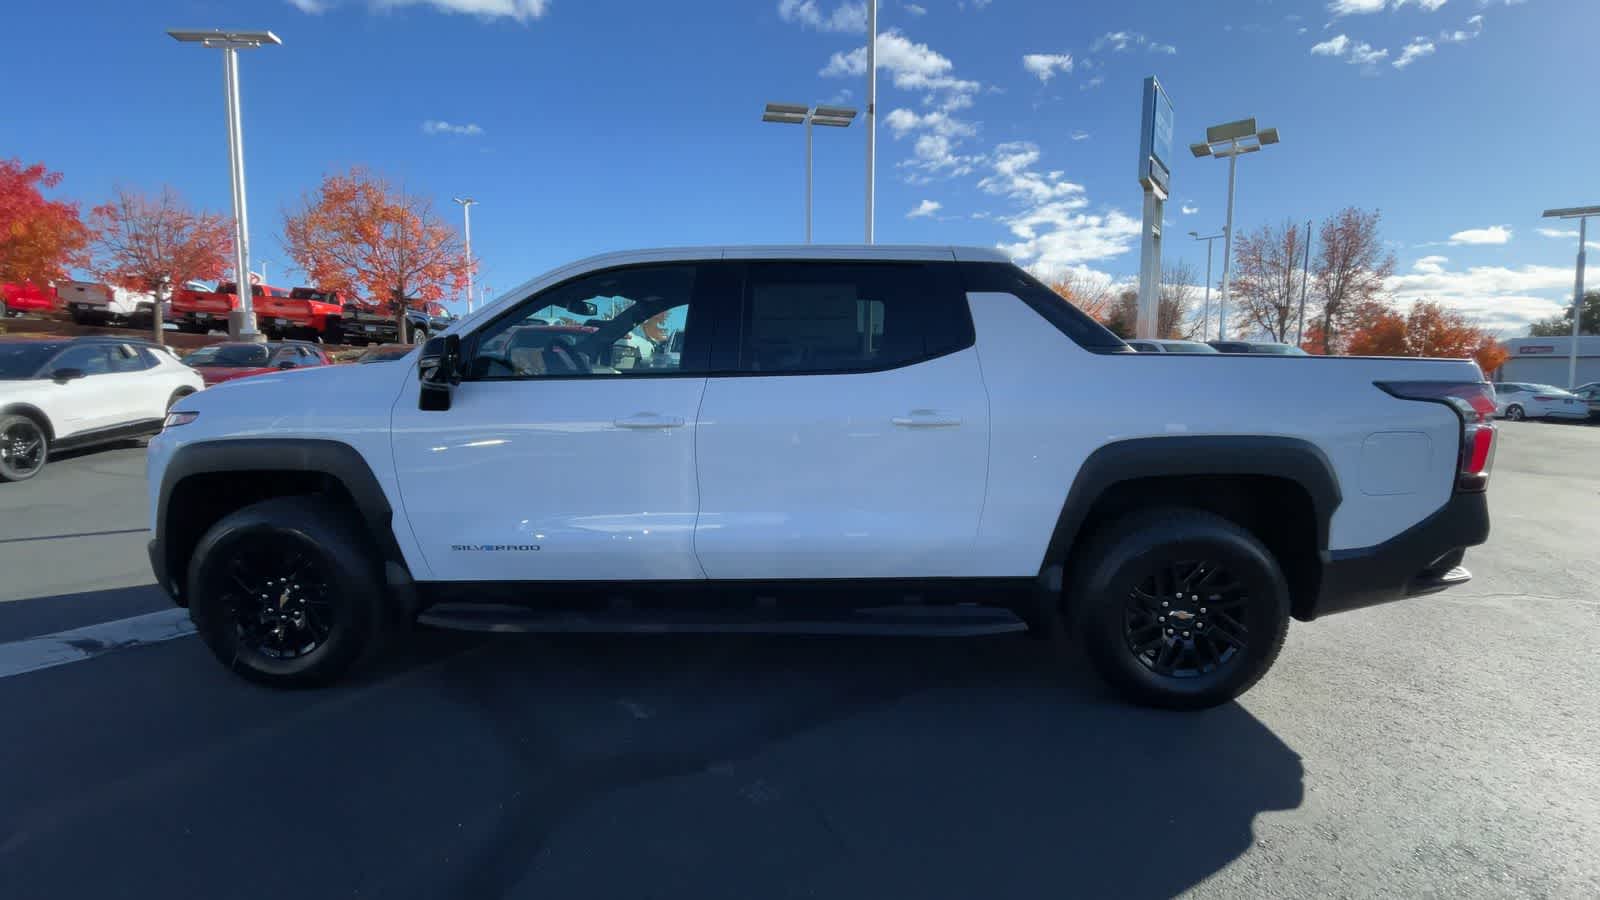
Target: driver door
pixel 567 453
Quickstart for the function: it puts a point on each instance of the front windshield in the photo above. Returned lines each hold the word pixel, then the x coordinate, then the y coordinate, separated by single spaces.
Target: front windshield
pixel 228 355
pixel 18 361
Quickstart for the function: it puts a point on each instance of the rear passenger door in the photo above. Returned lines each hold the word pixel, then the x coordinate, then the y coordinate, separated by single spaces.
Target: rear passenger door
pixel 844 433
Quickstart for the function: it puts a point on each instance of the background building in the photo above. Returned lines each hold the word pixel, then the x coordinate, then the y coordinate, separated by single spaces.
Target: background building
pixel 1543 360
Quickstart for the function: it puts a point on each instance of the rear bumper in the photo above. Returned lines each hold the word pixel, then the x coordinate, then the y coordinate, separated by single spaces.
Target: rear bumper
pixel 1423 559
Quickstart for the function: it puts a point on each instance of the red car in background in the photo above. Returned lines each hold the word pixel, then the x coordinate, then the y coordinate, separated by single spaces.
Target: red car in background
pixel 233 360
pixel 27 297
pixel 199 311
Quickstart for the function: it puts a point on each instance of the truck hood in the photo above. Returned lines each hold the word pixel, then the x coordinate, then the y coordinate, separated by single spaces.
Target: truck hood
pixel 339 396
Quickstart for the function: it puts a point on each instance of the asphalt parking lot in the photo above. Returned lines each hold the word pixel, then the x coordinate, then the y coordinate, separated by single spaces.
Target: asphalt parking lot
pixel 1444 746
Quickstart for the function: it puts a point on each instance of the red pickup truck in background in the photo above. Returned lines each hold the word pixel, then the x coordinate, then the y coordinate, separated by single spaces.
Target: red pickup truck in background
pixel 198 311
pixel 305 313
pixel 27 297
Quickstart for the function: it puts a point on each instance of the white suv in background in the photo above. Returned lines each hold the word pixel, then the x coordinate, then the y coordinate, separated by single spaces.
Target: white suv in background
pixel 65 393
pixel 847 439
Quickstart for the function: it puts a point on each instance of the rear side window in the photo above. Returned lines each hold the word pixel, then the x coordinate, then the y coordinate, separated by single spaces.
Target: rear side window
pixel 831 317
pixel 1005 278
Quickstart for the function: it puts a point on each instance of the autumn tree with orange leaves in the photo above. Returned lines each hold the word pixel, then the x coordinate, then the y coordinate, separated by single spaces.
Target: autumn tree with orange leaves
pixel 40 239
pixel 1094 296
pixel 357 232
pixel 154 244
pixel 1429 329
pixel 1349 271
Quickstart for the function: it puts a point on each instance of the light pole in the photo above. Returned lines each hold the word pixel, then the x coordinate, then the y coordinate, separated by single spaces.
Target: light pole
pixel 795 114
pixel 466 216
pixel 1582 214
pixel 1205 321
pixel 241 322
pixel 872 110
pixel 1230 141
pixel 264 270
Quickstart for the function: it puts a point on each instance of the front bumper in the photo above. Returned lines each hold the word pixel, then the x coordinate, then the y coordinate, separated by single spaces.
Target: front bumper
pixel 1423 559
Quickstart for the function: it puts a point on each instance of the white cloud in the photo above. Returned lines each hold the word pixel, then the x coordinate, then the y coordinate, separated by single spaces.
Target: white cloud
pixel 925 209
pixel 520 10
pixel 1501 298
pixel 912 66
pixel 437 126
pixel 1355 7
pixel 1168 49
pixel 1046 65
pixel 1362 54
pixel 1080 135
pixel 1494 234
pixel 1425 5
pixel 902 121
pixel 916 10
pixel 1334 46
pixel 1118 41
pixel 1188 210
pixel 850 17
pixel 1462 35
pixel 1414 51
pixel 1092 83
pixel 1567 234
pixel 310 7
pixel 1051 229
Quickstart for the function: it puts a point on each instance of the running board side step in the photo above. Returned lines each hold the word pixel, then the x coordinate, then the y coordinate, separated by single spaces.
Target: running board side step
pixel 888 621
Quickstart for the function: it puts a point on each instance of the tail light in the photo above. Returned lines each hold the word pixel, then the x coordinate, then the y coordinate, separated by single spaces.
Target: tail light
pixel 1474 403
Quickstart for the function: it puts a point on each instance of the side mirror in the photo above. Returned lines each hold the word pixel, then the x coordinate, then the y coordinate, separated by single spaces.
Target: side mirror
pixel 62 376
pixel 439 370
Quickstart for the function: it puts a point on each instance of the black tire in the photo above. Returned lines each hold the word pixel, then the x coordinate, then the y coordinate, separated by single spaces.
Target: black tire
pixel 1514 412
pixel 192 328
pixel 5 310
pixel 320 568
pixel 1115 598
pixel 415 334
pixel 24 447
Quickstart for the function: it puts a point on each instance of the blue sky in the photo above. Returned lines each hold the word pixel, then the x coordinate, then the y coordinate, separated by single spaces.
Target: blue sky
pixel 591 126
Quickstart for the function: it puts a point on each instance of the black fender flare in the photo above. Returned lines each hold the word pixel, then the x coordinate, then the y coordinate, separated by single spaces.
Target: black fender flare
pixel 1288 458
pixel 333 459
pixel 32 412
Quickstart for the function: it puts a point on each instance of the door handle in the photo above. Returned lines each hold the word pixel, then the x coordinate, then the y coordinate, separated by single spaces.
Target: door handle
pixel 649 420
pixel 926 418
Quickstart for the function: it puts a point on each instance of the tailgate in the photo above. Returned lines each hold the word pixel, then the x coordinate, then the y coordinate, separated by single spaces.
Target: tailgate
pixel 85 293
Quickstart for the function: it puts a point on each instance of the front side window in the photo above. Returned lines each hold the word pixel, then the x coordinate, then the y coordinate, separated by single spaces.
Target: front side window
pixel 90 359
pixel 639 321
pixel 804 318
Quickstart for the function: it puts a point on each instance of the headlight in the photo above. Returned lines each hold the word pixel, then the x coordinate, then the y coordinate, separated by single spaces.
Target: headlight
pixel 174 419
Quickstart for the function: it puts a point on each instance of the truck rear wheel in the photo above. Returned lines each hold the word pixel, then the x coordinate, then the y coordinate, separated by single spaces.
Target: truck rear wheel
pixel 286 592
pixel 1178 608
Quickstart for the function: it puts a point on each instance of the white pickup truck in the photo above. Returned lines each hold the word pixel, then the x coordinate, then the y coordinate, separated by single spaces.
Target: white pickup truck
pixel 93 303
pixel 848 440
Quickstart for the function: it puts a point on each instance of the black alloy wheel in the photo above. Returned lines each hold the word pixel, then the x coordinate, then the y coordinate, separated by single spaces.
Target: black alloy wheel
pixel 288 591
pixel 23 448
pixel 1514 413
pixel 277 598
pixel 1176 607
pixel 1186 619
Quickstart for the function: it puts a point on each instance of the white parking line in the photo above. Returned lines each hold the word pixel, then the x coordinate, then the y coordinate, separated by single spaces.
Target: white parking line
pixel 45 651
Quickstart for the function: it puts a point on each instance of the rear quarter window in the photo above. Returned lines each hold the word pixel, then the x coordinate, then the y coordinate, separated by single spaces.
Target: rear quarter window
pixel 1005 278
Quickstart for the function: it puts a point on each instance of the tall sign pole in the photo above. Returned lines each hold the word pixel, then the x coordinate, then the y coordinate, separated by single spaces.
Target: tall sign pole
pixel 1155 156
pixel 1577 301
pixel 1305 277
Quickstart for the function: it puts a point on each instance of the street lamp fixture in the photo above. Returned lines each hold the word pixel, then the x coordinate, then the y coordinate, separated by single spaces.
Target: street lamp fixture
pixel 795 114
pixel 1582 214
pixel 1205 320
pixel 466 215
pixel 1230 141
pixel 242 322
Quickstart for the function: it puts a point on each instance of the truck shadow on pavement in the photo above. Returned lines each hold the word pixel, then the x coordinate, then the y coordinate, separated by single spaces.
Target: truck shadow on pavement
pixel 743 767
pixel 751 767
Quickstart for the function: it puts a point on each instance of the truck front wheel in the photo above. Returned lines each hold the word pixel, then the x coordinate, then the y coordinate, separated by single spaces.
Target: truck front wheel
pixel 1178 608
pixel 286 592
